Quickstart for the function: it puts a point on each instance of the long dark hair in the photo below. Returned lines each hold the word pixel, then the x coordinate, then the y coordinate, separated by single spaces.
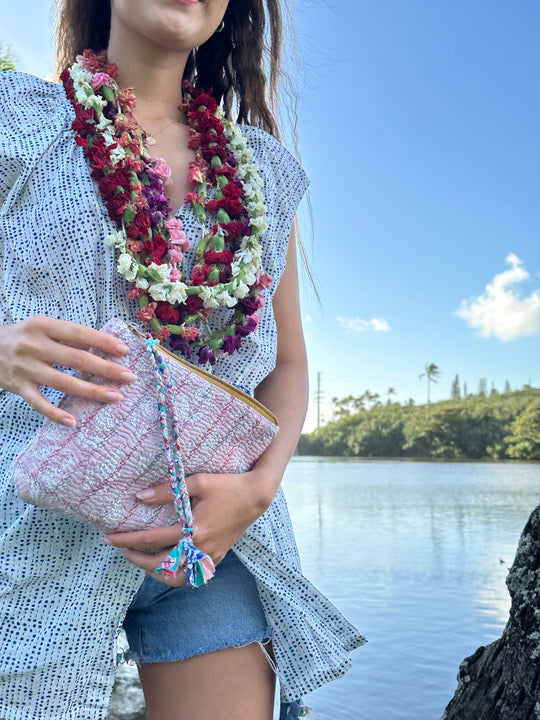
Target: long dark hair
pixel 242 68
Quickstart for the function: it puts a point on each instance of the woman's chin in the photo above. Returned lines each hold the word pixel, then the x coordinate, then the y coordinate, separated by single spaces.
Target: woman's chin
pixel 173 24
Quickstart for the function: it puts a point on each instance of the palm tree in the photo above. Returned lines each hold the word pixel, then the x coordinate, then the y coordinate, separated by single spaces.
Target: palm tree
pixel 369 399
pixel 431 372
pixel 375 399
pixel 389 394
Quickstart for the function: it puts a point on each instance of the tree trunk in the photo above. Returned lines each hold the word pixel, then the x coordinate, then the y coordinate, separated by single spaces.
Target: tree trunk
pixel 502 681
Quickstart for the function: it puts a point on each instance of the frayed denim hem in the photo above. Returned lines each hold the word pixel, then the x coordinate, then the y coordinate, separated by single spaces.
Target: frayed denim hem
pixel 129 656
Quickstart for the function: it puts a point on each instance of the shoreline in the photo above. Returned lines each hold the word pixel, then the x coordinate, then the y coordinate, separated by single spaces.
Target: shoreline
pixel 453 461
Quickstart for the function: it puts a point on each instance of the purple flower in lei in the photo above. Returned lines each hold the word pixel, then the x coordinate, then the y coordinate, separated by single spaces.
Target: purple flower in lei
pixel 110 112
pixel 153 194
pixel 206 355
pixel 230 343
pixel 177 342
pixel 241 330
pixel 249 305
pixel 247 227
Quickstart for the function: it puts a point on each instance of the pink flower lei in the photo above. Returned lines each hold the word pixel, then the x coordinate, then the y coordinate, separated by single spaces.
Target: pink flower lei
pixel 151 243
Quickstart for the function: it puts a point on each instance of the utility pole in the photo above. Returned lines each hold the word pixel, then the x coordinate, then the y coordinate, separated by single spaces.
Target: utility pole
pixel 318 397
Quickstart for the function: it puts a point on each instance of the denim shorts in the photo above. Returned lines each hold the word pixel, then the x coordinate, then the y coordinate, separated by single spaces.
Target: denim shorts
pixel 168 624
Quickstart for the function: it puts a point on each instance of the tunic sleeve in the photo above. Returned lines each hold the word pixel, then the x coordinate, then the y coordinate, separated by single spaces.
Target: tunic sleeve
pixel 285 183
pixel 32 115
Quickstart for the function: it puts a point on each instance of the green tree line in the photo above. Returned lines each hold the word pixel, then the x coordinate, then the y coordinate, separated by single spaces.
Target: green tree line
pixel 505 425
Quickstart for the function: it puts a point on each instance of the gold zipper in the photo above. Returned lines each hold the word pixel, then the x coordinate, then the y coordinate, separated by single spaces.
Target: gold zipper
pixel 223 384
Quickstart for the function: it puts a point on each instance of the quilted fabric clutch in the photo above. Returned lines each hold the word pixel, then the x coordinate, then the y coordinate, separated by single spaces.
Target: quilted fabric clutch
pixel 175 419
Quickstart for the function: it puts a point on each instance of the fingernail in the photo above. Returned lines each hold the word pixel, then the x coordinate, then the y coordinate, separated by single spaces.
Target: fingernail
pixel 112 396
pixel 106 541
pixel 128 377
pixel 124 349
pixel 69 422
pixel 146 494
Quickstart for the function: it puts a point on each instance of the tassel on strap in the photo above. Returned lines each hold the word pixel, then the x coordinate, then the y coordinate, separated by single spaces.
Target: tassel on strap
pixel 199 567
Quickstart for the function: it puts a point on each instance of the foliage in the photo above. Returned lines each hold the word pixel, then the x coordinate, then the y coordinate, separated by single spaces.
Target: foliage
pixel 379 435
pixel 505 425
pixel 346 406
pixel 6 59
pixel 349 405
pixel 524 442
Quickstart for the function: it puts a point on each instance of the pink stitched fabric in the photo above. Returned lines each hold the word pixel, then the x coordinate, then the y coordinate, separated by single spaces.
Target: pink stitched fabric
pixel 92 472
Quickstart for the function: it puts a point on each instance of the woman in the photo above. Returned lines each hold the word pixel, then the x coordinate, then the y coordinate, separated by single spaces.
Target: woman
pixel 64 593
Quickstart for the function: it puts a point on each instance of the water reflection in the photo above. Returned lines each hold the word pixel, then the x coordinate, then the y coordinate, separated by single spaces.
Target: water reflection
pixel 422 544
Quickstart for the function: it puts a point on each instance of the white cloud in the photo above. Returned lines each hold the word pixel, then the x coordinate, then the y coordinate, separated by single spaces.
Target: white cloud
pixel 500 311
pixel 358 325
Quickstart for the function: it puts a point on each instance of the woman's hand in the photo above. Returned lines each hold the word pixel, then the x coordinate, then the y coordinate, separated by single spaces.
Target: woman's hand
pixel 30 348
pixel 224 506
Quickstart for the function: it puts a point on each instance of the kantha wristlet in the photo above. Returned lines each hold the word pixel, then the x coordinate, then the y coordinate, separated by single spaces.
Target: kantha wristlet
pixel 91 473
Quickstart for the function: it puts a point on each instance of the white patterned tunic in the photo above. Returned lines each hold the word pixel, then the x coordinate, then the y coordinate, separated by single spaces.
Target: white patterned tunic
pixel 63 593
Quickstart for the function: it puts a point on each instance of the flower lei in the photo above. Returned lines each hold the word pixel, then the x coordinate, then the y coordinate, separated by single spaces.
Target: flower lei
pixel 227 270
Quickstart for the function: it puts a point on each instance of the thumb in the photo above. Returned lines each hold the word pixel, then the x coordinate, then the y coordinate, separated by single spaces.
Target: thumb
pixel 196 484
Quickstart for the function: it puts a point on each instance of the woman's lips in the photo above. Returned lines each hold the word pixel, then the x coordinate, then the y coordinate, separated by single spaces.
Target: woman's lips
pixel 187 2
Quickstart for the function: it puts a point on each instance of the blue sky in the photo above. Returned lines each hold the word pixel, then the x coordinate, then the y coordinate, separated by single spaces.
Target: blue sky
pixel 419 129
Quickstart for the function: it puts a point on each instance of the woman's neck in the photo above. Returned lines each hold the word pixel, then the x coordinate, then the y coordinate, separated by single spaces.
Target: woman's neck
pixel 154 73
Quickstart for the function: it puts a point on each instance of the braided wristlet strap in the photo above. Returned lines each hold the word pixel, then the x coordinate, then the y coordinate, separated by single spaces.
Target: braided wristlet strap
pixel 198 566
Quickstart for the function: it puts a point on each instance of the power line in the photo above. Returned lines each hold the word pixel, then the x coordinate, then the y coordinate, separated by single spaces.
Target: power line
pixel 319 394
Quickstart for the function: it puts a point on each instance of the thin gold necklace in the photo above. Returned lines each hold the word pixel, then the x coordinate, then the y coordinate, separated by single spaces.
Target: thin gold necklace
pixel 150 138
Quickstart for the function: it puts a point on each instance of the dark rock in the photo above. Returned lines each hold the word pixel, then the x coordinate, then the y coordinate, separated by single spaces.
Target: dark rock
pixel 502 681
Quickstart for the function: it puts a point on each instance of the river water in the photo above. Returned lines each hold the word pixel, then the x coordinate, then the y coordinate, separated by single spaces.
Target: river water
pixel 415 555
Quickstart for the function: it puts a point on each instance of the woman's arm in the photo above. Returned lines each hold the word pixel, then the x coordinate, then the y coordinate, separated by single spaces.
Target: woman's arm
pixel 224 506
pixel 285 390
